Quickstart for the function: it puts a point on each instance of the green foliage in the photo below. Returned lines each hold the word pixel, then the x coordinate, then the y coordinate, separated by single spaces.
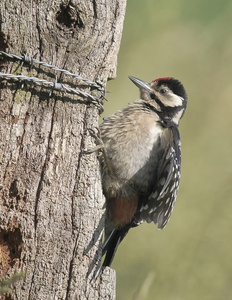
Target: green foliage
pixel 192 41
pixel 6 283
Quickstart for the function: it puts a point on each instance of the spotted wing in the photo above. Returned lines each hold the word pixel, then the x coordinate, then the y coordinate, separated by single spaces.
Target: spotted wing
pixel 160 203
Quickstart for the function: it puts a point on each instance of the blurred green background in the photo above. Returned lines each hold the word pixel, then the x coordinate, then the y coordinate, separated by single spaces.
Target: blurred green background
pixel 192 41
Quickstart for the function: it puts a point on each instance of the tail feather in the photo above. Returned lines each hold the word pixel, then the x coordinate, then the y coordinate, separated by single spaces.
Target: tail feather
pixel 112 242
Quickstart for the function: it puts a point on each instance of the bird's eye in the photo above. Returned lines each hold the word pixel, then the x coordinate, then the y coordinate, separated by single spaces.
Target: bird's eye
pixel 163 91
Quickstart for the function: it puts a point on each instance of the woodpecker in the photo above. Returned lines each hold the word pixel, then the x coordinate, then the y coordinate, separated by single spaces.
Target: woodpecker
pixel 142 160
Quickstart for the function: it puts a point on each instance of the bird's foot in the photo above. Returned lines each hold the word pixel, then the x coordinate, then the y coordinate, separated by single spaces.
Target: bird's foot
pixel 98 140
pixel 100 147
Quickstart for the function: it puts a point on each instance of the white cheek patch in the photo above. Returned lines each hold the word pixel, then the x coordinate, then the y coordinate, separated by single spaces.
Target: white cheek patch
pixel 177 117
pixel 172 100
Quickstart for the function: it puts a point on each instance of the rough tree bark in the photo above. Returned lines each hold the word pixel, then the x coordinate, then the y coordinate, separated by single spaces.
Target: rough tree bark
pixel 51 203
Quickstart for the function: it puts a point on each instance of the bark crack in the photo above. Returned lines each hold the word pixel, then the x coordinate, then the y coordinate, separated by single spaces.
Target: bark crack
pixel 95 9
pixel 43 169
pixel 39 188
pixel 72 214
pixel 39 33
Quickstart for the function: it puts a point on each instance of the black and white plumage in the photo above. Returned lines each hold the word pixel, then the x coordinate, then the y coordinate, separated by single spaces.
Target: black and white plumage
pixel 161 201
pixel 142 161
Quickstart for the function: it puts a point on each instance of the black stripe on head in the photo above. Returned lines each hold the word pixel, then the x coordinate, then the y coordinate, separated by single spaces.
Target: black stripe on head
pixel 175 85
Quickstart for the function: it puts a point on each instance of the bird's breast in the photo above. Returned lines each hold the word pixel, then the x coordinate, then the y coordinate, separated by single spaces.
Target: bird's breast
pixel 133 152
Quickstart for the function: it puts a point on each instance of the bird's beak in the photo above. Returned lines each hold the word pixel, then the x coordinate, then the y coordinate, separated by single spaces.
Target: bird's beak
pixel 140 84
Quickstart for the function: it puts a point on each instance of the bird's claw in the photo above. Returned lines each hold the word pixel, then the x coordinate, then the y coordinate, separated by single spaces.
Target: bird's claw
pixel 98 140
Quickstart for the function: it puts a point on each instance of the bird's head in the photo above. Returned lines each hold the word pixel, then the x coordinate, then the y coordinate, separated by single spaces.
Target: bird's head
pixel 166 96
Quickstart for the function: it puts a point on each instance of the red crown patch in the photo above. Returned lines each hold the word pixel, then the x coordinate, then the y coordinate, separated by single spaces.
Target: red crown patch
pixel 162 78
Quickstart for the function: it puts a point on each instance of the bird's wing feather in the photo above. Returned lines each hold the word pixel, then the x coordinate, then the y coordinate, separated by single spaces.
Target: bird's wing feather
pixel 160 203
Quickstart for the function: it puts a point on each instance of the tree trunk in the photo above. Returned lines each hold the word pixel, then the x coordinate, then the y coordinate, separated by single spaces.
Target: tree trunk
pixel 51 202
